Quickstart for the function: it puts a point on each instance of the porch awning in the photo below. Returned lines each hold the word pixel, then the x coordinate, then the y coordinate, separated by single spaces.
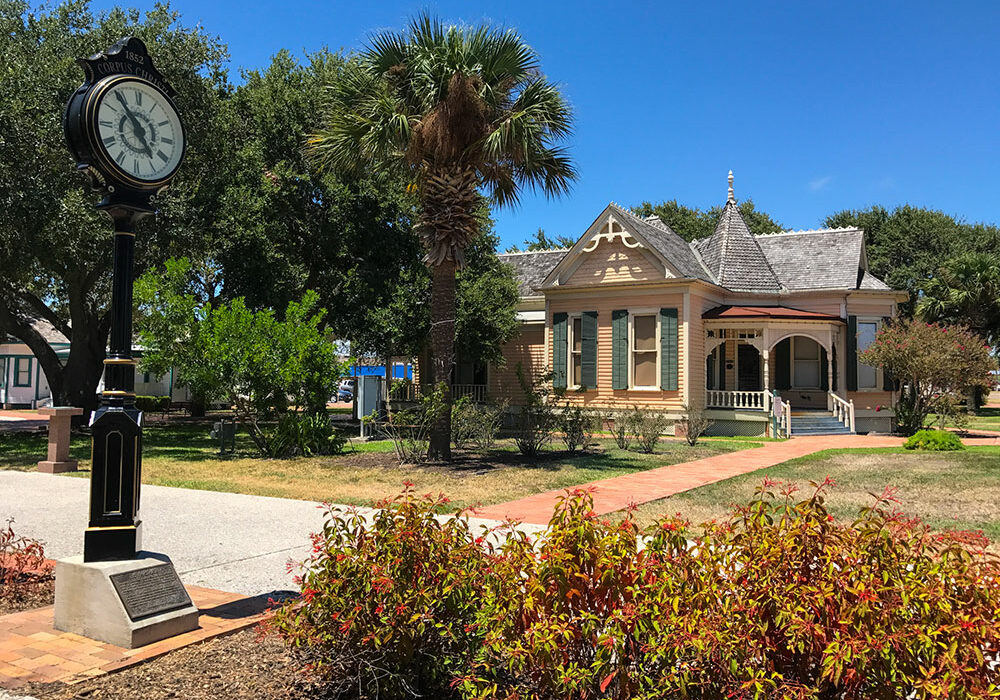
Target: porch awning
pixel 765 312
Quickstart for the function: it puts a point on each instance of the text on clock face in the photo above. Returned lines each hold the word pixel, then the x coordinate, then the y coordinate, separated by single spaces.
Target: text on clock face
pixel 139 130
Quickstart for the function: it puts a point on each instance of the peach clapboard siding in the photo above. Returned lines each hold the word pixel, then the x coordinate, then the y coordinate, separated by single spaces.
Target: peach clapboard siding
pixel 604 396
pixel 528 348
pixel 614 262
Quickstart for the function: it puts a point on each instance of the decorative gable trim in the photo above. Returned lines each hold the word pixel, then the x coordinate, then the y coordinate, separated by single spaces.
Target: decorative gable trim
pixel 607 228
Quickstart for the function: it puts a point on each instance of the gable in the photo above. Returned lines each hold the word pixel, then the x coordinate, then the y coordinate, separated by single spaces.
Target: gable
pixel 618 259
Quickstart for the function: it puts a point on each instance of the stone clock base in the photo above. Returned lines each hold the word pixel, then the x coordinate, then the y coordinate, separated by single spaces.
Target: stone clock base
pixel 127 603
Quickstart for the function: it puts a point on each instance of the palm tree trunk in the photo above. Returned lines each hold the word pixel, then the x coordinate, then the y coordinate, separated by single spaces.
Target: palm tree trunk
pixel 442 353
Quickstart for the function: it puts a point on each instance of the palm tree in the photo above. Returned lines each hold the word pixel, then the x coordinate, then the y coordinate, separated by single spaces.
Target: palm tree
pixel 965 291
pixel 461 112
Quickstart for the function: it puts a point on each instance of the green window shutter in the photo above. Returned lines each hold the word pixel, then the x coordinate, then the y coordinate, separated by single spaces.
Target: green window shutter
pixel 852 353
pixel 888 381
pixel 619 349
pixel 668 349
pixel 588 349
pixel 824 370
pixel 559 323
pixel 783 365
pixel 722 366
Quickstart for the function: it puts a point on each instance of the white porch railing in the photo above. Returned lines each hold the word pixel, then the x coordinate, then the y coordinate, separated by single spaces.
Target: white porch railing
pixel 842 410
pixel 749 400
pixel 781 410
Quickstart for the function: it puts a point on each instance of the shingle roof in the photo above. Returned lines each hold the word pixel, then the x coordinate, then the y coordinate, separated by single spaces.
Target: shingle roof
pixel 870 281
pixel 819 259
pixel 734 257
pixel 667 243
pixel 532 268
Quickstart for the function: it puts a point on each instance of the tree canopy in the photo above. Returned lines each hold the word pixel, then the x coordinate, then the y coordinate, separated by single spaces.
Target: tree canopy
pixel 691 223
pixel 55 248
pixel 540 241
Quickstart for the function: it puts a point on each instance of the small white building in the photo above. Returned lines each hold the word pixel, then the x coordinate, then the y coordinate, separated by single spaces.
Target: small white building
pixel 23 384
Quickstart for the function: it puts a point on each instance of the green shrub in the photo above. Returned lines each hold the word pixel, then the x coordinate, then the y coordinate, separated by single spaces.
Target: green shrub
pixel 305 435
pixel 577 425
pixel 624 426
pixel 933 440
pixel 777 601
pixel 535 420
pixel 388 605
pixel 150 404
pixel 649 426
pixel 475 424
pixel 410 429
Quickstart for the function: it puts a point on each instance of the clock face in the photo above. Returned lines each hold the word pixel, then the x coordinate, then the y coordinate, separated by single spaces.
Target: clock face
pixel 138 130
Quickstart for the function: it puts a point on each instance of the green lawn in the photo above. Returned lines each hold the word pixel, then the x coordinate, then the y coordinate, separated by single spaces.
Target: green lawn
pixel 184 455
pixel 986 418
pixel 955 490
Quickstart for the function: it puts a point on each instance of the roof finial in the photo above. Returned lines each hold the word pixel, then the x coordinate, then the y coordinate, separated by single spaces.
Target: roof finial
pixel 731 197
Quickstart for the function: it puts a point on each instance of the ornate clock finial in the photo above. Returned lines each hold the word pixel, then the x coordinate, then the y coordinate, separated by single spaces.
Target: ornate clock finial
pixel 731 197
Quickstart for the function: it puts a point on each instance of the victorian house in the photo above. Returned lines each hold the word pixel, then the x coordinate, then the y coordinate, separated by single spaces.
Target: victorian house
pixel 761 332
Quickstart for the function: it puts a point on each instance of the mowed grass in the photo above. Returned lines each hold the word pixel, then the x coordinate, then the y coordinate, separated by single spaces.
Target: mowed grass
pixel 185 456
pixel 986 418
pixel 948 490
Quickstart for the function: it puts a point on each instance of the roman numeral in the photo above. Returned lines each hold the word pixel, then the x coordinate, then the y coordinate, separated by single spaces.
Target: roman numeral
pixel 165 140
pixel 104 123
pixel 138 98
pixel 121 157
pixel 135 165
pixel 163 156
pixel 162 123
pixel 110 140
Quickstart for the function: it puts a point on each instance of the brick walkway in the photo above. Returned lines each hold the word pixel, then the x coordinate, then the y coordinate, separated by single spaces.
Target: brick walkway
pixel 31 650
pixel 641 487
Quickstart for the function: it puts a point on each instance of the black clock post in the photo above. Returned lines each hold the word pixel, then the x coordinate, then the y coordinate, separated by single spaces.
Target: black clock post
pixel 115 531
pixel 126 136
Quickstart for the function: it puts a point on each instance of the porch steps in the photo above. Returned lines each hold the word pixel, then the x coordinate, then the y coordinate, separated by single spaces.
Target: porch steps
pixel 817 423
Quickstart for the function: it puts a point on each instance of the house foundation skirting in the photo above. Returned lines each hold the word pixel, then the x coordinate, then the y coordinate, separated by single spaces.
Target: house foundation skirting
pixel 737 423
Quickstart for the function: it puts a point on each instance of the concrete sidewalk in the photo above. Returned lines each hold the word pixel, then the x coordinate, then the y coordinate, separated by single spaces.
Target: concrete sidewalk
pixel 226 541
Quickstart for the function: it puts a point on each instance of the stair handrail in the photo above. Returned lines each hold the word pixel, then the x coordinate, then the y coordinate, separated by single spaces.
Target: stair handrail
pixel 843 410
pixel 787 409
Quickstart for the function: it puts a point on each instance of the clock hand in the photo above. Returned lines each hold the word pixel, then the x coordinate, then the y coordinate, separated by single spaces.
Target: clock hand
pixel 136 126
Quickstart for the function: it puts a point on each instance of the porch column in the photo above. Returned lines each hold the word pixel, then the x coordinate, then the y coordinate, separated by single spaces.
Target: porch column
pixel 829 375
pixel 765 355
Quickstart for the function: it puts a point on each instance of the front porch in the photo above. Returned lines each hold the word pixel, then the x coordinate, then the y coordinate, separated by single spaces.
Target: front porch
pixel 772 363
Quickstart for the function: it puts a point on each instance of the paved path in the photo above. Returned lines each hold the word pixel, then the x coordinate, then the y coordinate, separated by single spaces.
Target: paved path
pixel 226 541
pixel 641 487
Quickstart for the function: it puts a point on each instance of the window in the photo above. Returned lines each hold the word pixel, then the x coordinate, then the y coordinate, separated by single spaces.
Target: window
pixel 806 367
pixel 867 376
pixel 644 352
pixel 576 351
pixel 22 371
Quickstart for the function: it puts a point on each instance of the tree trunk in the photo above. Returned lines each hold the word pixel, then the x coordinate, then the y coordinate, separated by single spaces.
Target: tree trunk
pixel 443 312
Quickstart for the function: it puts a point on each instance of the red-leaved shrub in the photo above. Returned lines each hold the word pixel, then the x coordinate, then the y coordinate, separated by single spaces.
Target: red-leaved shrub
pixel 388 603
pixel 23 569
pixel 777 601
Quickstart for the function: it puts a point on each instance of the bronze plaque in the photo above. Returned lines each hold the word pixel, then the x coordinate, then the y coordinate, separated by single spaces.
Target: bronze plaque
pixel 150 591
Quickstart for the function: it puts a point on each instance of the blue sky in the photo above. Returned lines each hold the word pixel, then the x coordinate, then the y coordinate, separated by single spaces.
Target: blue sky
pixel 815 106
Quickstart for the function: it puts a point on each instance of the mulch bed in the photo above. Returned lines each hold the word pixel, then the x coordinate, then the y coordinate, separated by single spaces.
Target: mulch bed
pixel 241 666
pixel 39 592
